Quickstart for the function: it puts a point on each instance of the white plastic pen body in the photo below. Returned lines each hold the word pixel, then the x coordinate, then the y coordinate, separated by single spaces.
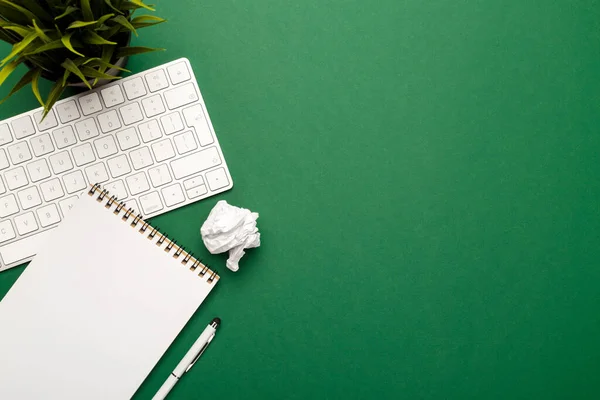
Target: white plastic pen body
pixel 188 360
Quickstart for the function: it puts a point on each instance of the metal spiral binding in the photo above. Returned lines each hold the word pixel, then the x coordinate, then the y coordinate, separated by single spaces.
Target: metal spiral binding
pixel 111 201
pixel 144 226
pixel 151 232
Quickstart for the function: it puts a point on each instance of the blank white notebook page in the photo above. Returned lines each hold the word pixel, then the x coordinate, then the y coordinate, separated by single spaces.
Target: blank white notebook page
pixel 95 310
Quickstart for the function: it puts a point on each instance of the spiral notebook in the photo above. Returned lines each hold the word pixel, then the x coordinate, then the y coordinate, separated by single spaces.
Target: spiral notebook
pixel 97 307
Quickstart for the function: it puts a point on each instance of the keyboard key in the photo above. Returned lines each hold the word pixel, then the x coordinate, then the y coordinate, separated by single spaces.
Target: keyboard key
pixel 119 166
pixel 19 153
pixel 137 183
pixel 193 182
pixel 181 95
pixel 141 158
pixel 109 121
pixel 16 178
pixel 38 170
pixel 217 179
pixel 116 188
pixel 153 106
pixel 83 154
pixel 3 160
pixel 64 137
pixel 185 142
pixel 173 195
pixel 112 96
pixel 23 127
pixel 67 204
pixel 6 231
pixel 131 113
pixel 87 129
pixel 52 189
pixel 196 192
pixel 128 139
pixel 178 73
pixel 74 182
pixel 160 175
pixel 105 146
pixel 194 117
pixel 149 131
pixel 26 223
pixel 67 111
pixel 29 198
pixel 195 162
pixel 47 123
pixel 163 150
pixel 90 104
pixel 5 136
pixel 8 205
pixel 24 248
pixel 96 173
pixel 48 215
pixel 41 144
pixel 2 187
pixel 150 203
pixel 134 88
pixel 156 80
pixel 172 123
pixel 61 162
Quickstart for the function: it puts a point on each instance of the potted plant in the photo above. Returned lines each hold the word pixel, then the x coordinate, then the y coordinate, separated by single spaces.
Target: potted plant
pixel 71 42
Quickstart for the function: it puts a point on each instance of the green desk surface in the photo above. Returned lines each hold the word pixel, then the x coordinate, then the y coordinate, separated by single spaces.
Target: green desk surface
pixel 427 175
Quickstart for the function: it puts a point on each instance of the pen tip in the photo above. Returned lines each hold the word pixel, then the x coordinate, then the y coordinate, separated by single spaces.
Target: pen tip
pixel 216 321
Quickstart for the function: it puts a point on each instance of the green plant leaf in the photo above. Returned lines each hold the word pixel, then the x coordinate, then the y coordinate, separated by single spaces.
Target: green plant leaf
pixel 36 9
pixel 86 9
pixel 56 44
pixel 140 4
pixel 130 51
pixel 110 31
pixel 55 92
pixel 93 73
pixel 103 18
pixel 106 58
pixel 67 42
pixel 35 88
pixel 109 3
pixel 80 24
pixel 121 20
pixel 71 66
pixel 19 47
pixel 25 12
pixel 65 77
pixel 8 69
pixel 19 30
pixel 99 62
pixel 146 20
pixel 92 37
pixel 85 62
pixel 41 33
pixel 12 15
pixel 68 10
pixel 25 79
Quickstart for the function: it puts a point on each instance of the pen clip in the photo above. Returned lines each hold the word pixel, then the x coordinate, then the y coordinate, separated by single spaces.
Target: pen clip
pixel 201 351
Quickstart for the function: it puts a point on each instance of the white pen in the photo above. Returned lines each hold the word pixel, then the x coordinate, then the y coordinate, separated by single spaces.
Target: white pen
pixel 189 359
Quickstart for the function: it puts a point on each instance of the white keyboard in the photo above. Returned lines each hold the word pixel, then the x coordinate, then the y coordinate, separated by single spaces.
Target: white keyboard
pixel 146 138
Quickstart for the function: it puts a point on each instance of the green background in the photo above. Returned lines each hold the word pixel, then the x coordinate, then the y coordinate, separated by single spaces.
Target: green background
pixel 426 174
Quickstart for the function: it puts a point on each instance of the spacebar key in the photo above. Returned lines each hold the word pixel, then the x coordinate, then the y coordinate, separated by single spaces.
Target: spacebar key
pixel 200 161
pixel 24 248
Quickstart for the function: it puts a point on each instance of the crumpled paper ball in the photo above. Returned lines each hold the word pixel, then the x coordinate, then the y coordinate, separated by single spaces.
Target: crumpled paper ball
pixel 230 228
